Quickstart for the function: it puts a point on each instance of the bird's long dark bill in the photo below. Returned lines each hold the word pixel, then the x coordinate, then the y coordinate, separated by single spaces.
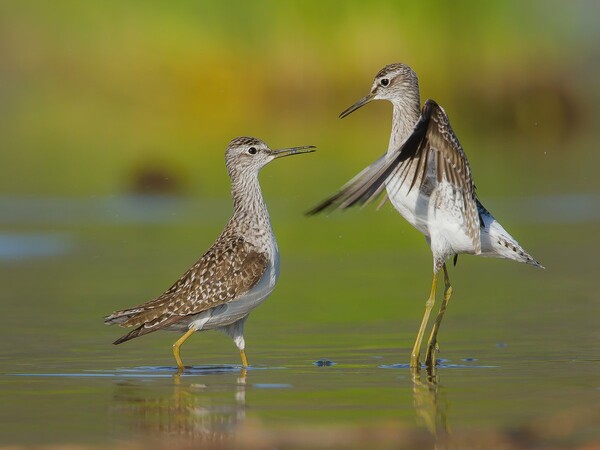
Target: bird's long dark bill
pixel 358 104
pixel 293 151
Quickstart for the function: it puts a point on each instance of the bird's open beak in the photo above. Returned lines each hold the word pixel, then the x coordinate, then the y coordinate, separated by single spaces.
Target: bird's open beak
pixel 358 104
pixel 292 151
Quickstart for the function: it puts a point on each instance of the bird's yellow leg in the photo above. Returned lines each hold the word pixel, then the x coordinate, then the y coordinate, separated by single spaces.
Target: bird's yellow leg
pixel 178 344
pixel 414 357
pixel 432 346
pixel 244 359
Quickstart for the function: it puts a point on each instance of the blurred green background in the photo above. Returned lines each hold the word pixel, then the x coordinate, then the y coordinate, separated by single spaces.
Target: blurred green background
pixel 95 94
pixel 114 118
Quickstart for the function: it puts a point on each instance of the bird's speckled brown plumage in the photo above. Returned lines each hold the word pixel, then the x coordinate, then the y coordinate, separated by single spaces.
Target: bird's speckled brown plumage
pixel 225 272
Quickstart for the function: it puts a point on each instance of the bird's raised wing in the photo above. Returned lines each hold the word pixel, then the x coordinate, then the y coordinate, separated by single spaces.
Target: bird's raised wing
pixel 431 152
pixel 366 184
pixel 226 271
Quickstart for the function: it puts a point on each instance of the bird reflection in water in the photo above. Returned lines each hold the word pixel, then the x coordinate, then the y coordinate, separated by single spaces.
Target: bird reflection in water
pixel 183 410
pixel 431 404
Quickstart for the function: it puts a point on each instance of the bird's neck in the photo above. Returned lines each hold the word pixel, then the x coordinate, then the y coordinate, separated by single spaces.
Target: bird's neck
pixel 404 118
pixel 250 213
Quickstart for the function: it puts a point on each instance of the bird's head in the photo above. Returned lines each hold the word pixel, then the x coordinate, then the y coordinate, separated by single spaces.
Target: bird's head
pixel 396 83
pixel 247 155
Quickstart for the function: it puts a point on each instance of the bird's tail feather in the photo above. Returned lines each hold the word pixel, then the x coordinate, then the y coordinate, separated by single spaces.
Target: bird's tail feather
pixel 506 247
pixel 496 242
pixel 132 334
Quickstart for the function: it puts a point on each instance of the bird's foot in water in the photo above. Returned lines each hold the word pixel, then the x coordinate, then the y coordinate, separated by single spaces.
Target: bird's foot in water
pixel 432 349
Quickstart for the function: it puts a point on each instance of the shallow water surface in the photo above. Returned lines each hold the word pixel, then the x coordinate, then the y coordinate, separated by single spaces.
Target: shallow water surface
pixel 519 361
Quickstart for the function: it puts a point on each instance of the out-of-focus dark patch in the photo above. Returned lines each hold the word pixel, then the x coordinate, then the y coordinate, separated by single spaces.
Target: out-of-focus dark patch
pixel 155 178
pixel 324 363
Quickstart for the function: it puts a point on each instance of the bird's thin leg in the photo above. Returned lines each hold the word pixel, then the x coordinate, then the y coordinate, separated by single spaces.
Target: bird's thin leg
pixel 236 331
pixel 414 357
pixel 432 346
pixel 176 346
pixel 244 359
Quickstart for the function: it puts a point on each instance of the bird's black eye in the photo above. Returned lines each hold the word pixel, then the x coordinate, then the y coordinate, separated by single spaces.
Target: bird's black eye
pixel 252 150
pixel 384 82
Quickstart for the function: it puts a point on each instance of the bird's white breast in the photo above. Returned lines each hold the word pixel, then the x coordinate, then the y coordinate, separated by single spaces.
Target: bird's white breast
pixel 437 214
pixel 410 204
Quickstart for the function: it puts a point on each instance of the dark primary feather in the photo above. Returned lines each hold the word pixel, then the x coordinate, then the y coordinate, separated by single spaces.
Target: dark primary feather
pixel 432 150
pixel 230 268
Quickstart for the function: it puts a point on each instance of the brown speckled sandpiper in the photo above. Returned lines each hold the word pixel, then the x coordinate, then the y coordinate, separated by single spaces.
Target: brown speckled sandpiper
pixel 237 273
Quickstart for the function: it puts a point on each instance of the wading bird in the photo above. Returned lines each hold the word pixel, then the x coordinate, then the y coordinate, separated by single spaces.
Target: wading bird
pixel 428 180
pixel 237 273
